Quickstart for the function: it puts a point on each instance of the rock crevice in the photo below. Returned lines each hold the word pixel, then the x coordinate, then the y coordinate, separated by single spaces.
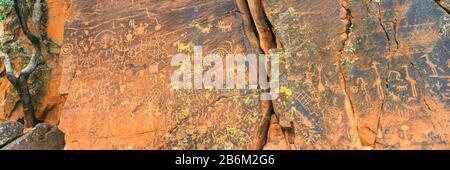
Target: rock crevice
pixel 255 14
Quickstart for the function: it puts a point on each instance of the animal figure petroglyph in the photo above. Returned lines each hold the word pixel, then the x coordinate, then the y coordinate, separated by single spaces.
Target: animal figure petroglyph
pixel 401 87
pixel 225 27
pixel 183 46
pixel 203 29
pixel 394 96
pixel 431 64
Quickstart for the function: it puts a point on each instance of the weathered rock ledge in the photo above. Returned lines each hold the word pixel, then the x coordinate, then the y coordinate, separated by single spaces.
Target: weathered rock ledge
pixel 41 137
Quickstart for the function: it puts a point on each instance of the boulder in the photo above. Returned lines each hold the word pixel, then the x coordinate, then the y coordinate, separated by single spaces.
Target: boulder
pixel 41 137
pixel 9 131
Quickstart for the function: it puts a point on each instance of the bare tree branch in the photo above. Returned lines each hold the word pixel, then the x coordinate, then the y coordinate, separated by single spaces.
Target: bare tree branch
pixel 21 83
pixel 8 65
pixel 22 14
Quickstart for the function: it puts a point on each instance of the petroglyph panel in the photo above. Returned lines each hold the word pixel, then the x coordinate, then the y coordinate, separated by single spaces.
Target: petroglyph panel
pixel 312 103
pixel 116 60
pixel 404 44
pixel 370 74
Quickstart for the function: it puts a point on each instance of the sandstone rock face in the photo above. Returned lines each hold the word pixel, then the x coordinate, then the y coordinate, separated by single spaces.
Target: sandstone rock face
pixel 50 101
pixel 42 137
pixel 356 74
pixel 313 105
pixel 363 74
pixel 117 71
pixel 9 131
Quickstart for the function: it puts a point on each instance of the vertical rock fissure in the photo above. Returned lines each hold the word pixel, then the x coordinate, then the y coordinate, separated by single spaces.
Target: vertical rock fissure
pixel 383 27
pixel 380 115
pixel 267 39
pixel 262 33
pixel 397 43
pixel 379 17
pixel 346 17
pixel 432 111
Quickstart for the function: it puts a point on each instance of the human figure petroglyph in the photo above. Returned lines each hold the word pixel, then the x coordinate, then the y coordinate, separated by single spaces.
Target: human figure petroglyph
pixel 320 87
pixel 411 81
pixel 439 85
pixel 378 82
pixel 363 85
pixel 106 40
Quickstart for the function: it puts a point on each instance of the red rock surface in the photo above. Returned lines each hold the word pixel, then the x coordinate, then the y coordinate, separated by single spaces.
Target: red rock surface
pixel 355 74
pixel 370 74
pixel 116 60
